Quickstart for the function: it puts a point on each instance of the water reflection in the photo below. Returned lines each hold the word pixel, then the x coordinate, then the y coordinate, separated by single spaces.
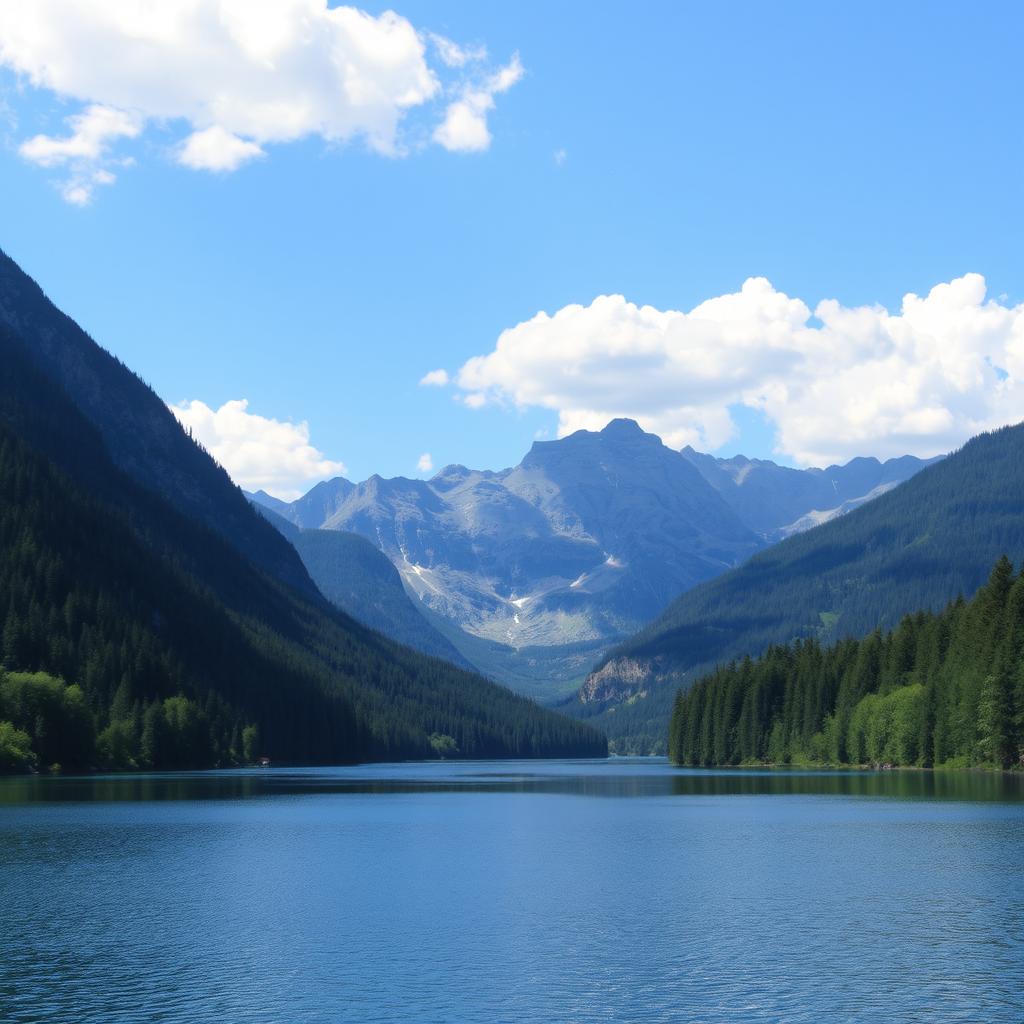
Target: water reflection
pixel 618 778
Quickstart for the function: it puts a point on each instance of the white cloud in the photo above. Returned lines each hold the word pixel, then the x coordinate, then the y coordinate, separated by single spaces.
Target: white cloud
pixel 434 379
pixel 561 155
pixel 861 381
pixel 257 452
pixel 238 75
pixel 464 129
pixel 85 152
pixel 216 150
pixel 425 464
pixel 91 133
pixel 455 56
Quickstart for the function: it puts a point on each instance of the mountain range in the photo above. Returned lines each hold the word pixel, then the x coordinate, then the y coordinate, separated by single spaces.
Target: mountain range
pixel 779 501
pixel 533 572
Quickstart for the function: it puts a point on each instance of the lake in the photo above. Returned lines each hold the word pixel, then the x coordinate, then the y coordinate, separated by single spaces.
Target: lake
pixel 620 890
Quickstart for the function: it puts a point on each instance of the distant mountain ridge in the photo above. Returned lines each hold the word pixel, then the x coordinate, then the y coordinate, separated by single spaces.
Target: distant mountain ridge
pixel 778 501
pixel 532 572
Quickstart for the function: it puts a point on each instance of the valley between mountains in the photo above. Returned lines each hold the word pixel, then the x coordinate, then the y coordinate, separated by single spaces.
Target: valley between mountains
pixel 533 573
pixel 554 608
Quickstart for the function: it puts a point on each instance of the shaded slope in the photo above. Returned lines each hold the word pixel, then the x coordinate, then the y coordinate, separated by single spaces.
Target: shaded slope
pixel 139 432
pixel 356 577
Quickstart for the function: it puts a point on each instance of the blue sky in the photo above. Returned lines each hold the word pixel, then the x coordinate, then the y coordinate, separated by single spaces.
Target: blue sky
pixel 662 152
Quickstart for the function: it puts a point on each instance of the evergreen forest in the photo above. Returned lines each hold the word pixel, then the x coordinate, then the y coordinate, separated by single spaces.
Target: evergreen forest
pixel 942 689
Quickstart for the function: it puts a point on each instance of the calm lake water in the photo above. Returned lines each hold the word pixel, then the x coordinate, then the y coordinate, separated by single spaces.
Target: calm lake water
pixel 624 890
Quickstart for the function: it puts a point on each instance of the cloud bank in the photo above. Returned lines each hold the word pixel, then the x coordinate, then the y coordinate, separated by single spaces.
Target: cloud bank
pixel 835 383
pixel 258 453
pixel 238 75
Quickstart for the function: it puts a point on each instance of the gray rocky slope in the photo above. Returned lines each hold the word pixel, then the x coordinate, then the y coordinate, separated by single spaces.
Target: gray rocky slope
pixel 534 572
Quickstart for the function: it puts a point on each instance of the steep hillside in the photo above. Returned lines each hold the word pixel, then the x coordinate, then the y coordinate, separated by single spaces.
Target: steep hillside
pixel 916 547
pixel 357 577
pixel 139 433
pixel 163 622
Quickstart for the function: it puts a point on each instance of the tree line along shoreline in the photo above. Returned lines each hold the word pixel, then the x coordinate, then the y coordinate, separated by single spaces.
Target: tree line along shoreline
pixel 941 690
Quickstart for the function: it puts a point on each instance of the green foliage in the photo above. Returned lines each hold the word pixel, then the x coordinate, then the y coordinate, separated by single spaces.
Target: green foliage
pixel 176 734
pixel 887 729
pixel 444 746
pixel 250 743
pixel 118 746
pixel 16 752
pixel 941 688
pixel 55 717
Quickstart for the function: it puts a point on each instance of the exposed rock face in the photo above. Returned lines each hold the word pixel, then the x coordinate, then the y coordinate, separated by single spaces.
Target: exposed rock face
pixel 619 680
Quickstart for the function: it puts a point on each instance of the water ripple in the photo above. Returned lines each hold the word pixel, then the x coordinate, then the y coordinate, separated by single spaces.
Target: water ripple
pixel 479 893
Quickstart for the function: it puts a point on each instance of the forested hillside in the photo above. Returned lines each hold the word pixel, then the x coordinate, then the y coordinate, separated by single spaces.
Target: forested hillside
pixel 134 634
pixel 139 434
pixel 942 689
pixel 917 547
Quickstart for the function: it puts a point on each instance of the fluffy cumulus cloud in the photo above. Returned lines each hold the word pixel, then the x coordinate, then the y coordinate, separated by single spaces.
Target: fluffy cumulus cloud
pixel 215 149
pixel 835 383
pixel 259 453
pixel 425 463
pixel 231 77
